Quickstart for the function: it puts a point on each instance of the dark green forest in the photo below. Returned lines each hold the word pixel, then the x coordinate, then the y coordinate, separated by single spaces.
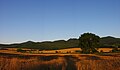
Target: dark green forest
pixel 105 42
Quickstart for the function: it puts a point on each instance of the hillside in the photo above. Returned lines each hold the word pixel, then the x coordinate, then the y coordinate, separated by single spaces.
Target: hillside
pixel 109 41
pixel 105 42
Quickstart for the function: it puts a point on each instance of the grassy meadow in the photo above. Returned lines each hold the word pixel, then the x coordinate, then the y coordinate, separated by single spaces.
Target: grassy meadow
pixel 12 60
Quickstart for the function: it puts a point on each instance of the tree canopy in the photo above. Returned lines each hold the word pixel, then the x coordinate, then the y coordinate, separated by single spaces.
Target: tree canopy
pixel 89 42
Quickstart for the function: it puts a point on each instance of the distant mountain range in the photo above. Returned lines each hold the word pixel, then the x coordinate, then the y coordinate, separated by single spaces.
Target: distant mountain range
pixel 105 42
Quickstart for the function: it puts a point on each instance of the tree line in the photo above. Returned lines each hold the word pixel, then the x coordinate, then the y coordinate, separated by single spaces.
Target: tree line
pixel 104 42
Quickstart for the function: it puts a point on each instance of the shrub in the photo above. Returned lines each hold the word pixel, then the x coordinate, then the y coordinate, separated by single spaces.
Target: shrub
pixel 101 51
pixel 115 49
pixel 78 51
pixel 56 51
pixel 21 50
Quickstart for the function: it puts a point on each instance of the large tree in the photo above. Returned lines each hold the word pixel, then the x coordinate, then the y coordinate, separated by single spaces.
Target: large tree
pixel 89 42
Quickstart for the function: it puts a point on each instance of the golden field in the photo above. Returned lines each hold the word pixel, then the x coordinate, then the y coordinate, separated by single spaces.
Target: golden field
pixel 38 52
pixel 59 62
pixel 65 59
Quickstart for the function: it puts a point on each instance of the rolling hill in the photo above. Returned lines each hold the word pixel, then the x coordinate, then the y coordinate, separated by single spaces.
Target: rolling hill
pixel 105 42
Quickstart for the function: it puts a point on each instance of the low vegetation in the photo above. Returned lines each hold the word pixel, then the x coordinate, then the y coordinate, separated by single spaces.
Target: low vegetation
pixel 59 62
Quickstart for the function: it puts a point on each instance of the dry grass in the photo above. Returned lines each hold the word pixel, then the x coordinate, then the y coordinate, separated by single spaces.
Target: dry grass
pixel 99 63
pixel 62 51
pixel 60 62
pixel 14 60
pixel 31 64
pixel 105 49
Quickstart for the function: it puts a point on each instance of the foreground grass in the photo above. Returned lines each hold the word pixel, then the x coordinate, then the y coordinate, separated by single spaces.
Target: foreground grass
pixel 60 62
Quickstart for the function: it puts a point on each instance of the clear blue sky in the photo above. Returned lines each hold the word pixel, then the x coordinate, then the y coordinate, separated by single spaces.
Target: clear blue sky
pixel 41 20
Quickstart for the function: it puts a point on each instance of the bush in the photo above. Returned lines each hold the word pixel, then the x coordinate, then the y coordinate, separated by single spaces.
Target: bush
pixel 101 51
pixel 94 51
pixel 115 49
pixel 20 50
pixel 56 51
pixel 78 51
pixel 30 52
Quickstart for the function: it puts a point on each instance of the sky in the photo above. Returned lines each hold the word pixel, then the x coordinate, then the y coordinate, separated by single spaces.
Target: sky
pixel 49 20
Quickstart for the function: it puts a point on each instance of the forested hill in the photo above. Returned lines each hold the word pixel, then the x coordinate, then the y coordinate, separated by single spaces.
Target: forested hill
pixel 109 41
pixel 61 44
